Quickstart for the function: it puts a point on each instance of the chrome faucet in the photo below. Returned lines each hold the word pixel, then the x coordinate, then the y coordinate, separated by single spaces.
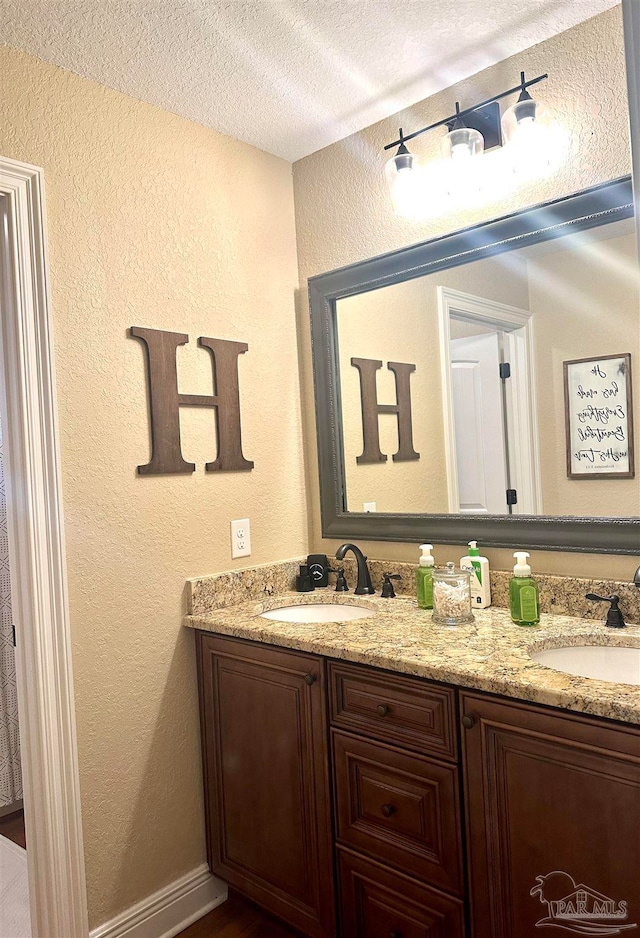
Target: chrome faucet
pixel 364 577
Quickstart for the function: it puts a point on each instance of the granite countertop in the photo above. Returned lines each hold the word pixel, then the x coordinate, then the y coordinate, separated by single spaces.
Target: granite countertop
pixel 491 655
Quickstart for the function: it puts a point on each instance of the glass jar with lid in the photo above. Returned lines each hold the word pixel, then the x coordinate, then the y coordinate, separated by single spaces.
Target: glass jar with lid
pixel 451 596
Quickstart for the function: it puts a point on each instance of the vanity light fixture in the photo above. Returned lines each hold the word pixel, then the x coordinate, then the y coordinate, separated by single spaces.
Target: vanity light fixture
pixel 471 132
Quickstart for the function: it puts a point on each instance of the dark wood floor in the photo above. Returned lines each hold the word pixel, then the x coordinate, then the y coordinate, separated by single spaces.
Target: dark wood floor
pixel 12 827
pixel 234 918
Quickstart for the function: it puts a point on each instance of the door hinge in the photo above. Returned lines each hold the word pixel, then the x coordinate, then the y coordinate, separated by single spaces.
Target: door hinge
pixel 505 370
pixel 512 497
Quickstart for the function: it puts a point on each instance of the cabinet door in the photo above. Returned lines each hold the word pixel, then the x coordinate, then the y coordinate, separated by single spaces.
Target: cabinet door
pixel 553 815
pixel 266 777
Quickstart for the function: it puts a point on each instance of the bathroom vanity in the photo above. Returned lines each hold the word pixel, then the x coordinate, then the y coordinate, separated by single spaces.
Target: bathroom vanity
pixel 369 801
pixel 386 777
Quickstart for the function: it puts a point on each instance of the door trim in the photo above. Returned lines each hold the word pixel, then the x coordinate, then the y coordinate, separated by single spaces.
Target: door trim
pixel 55 852
pixel 522 412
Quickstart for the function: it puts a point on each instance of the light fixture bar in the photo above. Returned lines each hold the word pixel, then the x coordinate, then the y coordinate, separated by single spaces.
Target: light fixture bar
pixel 461 114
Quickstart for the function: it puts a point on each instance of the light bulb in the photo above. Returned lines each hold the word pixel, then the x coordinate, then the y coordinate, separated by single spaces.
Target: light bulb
pixel 536 144
pixel 462 148
pixel 462 143
pixel 461 151
pixel 404 178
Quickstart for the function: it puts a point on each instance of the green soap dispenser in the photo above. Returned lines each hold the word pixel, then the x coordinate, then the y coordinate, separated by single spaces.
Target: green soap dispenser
pixel 424 578
pixel 524 601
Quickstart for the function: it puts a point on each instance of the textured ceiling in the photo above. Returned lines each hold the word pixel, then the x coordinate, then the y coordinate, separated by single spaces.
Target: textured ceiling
pixel 288 76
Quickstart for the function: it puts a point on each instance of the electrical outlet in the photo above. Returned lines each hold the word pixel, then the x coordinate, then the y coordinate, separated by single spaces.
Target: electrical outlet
pixel 241 538
pixel 369 506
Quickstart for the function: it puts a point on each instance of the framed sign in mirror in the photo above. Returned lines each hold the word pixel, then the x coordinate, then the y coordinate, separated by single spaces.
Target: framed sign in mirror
pixel 440 381
pixel 599 417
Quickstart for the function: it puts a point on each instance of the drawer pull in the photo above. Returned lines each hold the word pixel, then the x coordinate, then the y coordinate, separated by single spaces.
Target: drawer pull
pixel 468 721
pixel 388 810
pixel 382 710
pixel 309 679
pixel 395 934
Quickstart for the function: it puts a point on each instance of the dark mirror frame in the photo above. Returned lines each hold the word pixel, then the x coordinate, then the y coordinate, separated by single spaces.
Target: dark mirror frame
pixel 586 209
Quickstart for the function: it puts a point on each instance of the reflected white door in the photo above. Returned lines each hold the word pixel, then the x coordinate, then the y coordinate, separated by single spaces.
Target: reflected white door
pixel 479 424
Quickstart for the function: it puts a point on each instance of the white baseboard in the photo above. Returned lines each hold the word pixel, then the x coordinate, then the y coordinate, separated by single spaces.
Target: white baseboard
pixel 167 912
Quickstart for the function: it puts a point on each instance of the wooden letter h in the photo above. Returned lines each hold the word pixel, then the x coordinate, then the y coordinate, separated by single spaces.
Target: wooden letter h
pixel 165 402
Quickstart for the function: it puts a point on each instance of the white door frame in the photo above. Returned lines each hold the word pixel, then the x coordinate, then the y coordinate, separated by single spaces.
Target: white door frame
pixel 38 578
pixel 522 411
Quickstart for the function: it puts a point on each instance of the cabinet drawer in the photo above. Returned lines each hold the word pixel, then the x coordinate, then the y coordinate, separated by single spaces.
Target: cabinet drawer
pixel 396 709
pixel 378 904
pixel 401 808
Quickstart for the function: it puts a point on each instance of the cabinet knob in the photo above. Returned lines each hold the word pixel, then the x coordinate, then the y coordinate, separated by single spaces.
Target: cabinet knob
pixel 382 710
pixel 388 810
pixel 468 721
pixel 309 679
pixel 395 934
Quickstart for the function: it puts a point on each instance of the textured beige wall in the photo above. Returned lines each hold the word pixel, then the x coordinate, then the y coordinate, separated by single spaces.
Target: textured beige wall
pixel 584 301
pixel 343 213
pixel 154 221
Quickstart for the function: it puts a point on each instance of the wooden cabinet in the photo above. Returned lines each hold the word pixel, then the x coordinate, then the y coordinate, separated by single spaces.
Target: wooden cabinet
pixel 324 777
pixel 553 821
pixel 263 713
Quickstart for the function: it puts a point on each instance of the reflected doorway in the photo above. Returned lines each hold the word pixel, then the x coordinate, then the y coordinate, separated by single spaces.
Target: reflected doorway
pixel 489 408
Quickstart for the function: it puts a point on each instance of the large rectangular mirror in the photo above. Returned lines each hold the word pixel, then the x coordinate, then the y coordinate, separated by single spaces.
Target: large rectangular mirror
pixel 482 385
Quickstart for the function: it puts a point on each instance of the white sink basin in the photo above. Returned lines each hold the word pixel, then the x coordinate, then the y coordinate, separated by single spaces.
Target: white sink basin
pixel 604 662
pixel 318 612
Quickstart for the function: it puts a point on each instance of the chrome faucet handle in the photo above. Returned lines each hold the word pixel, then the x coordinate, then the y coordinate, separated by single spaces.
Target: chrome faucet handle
pixel 615 619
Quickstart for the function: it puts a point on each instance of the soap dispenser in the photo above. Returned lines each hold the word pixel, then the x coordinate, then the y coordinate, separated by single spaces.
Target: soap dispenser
pixel 524 601
pixel 478 567
pixel 424 578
